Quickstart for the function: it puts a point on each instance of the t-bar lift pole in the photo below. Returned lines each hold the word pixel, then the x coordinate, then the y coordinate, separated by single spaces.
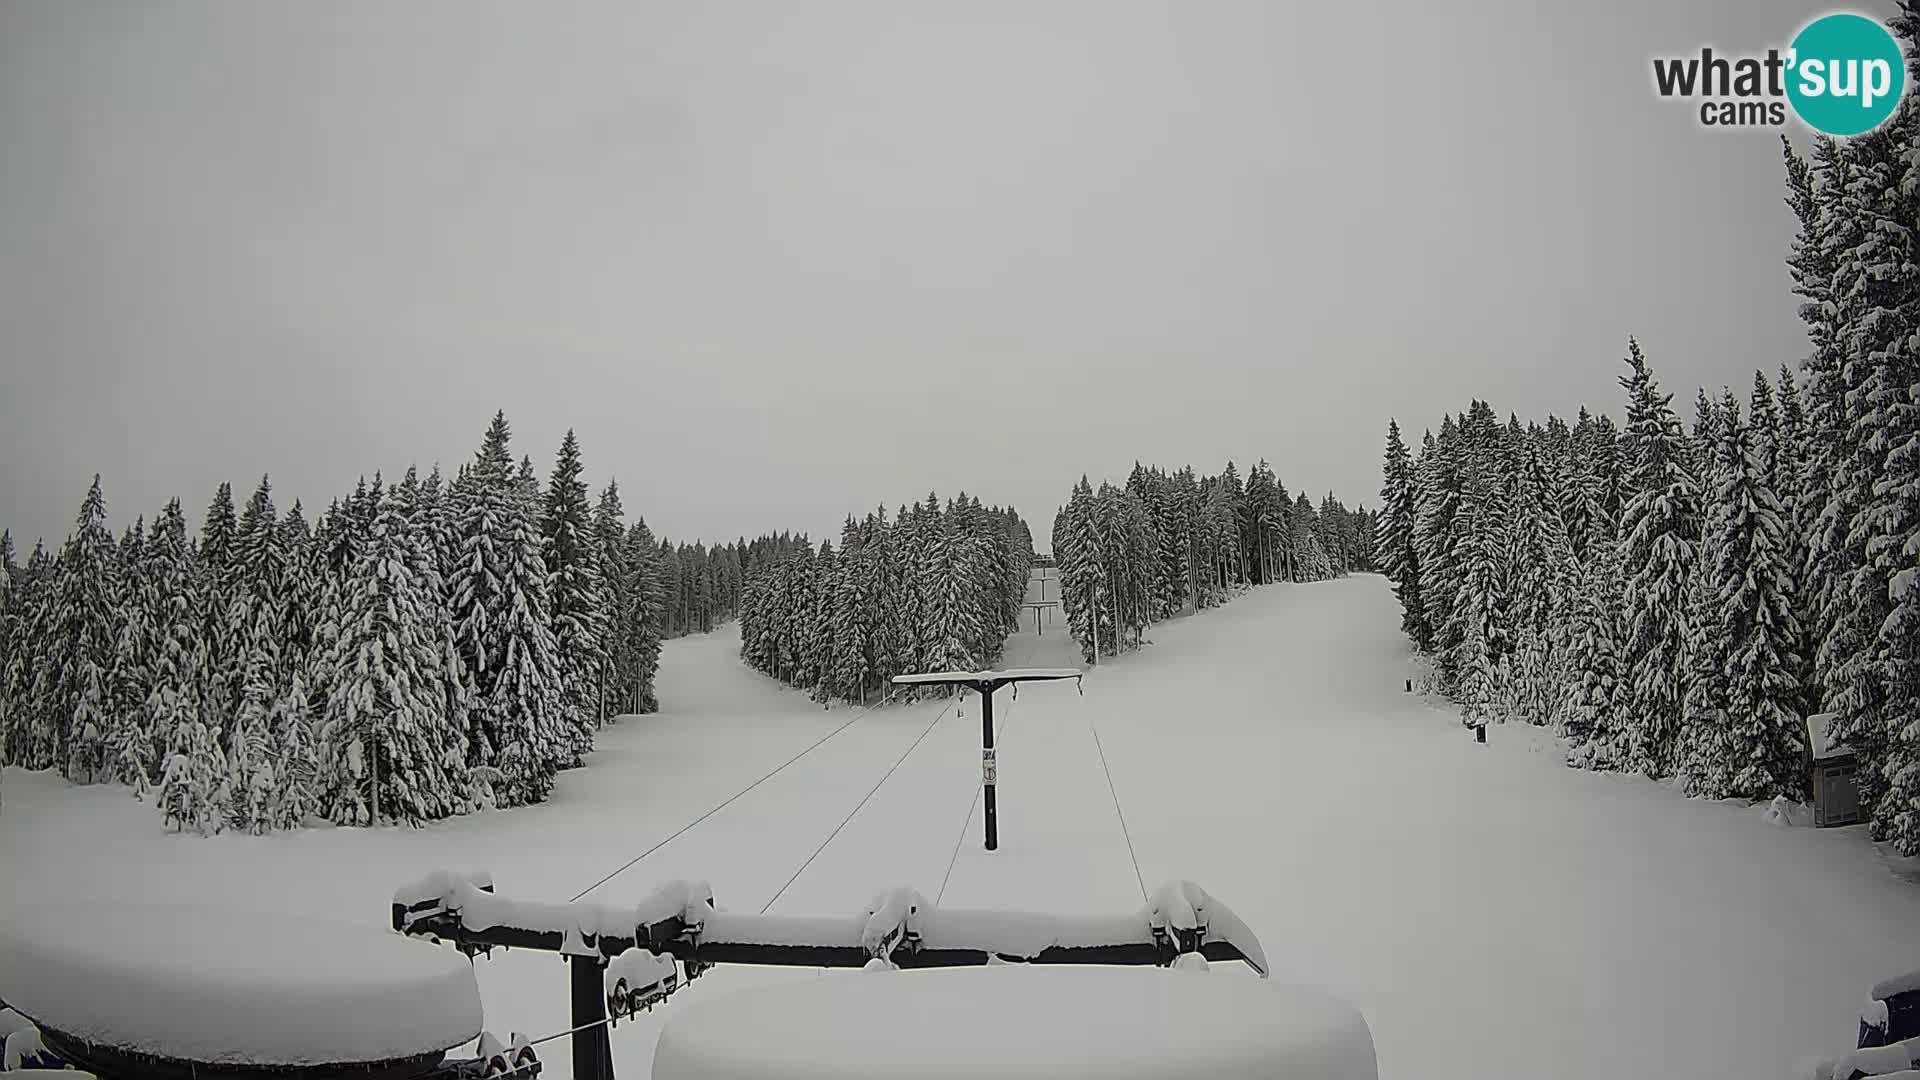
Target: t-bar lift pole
pixel 985 683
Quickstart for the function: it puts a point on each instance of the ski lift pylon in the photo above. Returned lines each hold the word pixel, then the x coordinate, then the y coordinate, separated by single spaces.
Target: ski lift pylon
pixel 985 683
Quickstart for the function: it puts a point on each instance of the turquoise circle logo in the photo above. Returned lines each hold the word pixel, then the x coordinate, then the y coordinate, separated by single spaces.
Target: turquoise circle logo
pixel 1847 74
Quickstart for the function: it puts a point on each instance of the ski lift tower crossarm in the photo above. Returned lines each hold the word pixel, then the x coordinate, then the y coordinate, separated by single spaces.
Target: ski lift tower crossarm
pixel 985 683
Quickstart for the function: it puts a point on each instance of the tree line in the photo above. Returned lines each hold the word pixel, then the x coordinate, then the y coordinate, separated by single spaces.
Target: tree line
pixel 935 589
pixel 1677 601
pixel 1169 542
pixel 422 649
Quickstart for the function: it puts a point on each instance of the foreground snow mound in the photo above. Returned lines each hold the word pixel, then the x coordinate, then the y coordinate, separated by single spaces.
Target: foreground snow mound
pixel 1013 1022
pixel 234 987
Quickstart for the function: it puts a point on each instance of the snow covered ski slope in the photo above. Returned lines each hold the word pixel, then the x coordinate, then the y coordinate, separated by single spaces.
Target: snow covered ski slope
pixel 1491 912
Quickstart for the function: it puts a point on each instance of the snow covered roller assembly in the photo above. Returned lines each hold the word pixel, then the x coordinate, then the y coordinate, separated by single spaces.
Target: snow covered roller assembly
pixel 626 958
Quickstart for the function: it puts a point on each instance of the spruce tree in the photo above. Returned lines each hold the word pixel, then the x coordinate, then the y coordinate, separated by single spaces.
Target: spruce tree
pixel 215 560
pixel 387 751
pixel 616 591
pixel 83 626
pixel 501 619
pixel 1399 558
pixel 255 634
pixel 171 602
pixel 576 601
pixel 1661 533
pixel 193 790
pixel 298 797
pixel 643 617
pixel 1753 583
pixel 10 604
pixel 1441 493
pixel 130 749
pixel 1596 718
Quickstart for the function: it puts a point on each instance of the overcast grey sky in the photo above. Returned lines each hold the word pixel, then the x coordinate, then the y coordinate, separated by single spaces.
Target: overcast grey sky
pixel 780 261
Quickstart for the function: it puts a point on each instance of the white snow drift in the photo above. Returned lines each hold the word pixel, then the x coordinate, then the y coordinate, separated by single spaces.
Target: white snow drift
pixel 1013 1022
pixel 229 986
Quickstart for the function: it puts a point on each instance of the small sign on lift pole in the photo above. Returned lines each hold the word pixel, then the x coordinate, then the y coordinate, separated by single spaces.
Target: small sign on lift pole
pixel 985 683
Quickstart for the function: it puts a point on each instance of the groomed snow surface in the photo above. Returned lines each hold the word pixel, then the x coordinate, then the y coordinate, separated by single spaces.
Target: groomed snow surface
pixel 1018 1023
pixel 1489 911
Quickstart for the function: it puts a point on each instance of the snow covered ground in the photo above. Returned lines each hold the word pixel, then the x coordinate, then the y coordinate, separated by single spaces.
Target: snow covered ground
pixel 1491 912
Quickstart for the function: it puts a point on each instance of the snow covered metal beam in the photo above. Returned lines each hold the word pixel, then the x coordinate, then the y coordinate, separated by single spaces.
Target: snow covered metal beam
pixel 985 683
pixel 998 678
pixel 679 920
pixel 615 954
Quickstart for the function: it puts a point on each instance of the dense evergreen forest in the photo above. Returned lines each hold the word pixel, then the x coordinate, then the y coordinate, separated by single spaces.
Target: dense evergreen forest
pixel 935 589
pixel 420 649
pixel 1170 542
pixel 1675 599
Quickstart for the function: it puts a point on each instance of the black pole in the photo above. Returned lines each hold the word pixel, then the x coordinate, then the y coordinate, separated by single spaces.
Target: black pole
pixel 987 763
pixel 592 1050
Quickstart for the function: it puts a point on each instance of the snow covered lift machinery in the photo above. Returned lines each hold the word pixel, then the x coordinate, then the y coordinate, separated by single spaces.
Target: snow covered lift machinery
pixel 985 683
pixel 622 960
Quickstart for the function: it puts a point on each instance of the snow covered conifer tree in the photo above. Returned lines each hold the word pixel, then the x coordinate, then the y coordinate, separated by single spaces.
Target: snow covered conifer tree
pixel 296 797
pixel 83 634
pixel 851 616
pixel 1701 749
pixel 827 573
pixel 257 606
pixel 255 633
pixel 251 750
pixel 1479 695
pixel 170 597
pixel 1754 590
pixel 575 601
pixel 130 746
pixel 193 791
pixel 1081 579
pixel 1398 556
pixel 1661 532
pixel 1537 564
pixel 646 608
pixel 616 586
pixel 1439 503
pixel 527 697
pixel 1596 721
pixel 10 603
pixel 1699 745
pixel 387 751
pixel 1478 547
pixel 214 558
pixel 299 591
pixel 217 532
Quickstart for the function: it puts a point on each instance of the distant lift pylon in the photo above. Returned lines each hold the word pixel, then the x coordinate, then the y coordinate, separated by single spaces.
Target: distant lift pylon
pixel 985 683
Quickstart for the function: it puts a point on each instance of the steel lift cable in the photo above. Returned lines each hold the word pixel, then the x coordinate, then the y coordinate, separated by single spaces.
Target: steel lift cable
pixel 731 798
pixel 1117 812
pixel 863 802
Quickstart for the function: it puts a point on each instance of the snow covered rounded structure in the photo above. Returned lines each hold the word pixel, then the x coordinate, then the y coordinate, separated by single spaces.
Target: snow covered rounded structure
pixel 1016 1022
pixel 162 991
